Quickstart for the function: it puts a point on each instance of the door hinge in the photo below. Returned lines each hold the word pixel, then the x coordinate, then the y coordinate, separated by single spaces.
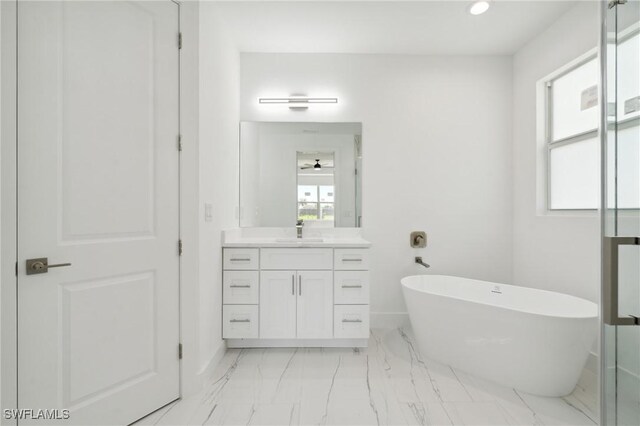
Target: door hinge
pixel 179 350
pixel 179 247
pixel 614 3
pixel 179 40
pixel 179 142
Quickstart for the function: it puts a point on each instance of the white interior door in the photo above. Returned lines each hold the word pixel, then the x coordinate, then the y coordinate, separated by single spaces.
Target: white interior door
pixel 277 305
pixel 98 100
pixel 315 304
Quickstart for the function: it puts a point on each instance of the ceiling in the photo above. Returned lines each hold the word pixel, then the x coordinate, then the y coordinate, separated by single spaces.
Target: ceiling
pixel 386 27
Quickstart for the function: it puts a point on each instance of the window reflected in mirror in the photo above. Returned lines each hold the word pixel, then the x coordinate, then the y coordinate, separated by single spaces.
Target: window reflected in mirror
pixel 316 187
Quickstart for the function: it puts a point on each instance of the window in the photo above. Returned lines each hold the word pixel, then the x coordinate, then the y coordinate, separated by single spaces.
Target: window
pixel 573 147
pixel 316 202
pixel 623 167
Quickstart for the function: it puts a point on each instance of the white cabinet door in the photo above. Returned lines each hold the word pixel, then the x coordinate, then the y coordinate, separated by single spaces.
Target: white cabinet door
pixel 351 321
pixel 351 259
pixel 98 169
pixel 277 304
pixel 240 321
pixel 235 259
pixel 351 287
pixel 240 287
pixel 315 304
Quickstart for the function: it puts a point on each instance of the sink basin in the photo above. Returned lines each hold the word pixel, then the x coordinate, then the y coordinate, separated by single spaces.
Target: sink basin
pixel 299 240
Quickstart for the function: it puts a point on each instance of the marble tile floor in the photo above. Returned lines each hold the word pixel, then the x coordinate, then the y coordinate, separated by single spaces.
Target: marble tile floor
pixel 388 383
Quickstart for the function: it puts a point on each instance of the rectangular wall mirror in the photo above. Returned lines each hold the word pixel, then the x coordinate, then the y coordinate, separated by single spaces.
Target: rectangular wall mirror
pixel 300 171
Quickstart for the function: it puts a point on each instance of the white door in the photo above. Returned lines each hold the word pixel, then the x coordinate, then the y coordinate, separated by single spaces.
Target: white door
pixel 315 304
pixel 277 304
pixel 98 101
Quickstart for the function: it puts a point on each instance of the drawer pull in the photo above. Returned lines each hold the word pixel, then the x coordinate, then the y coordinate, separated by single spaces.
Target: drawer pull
pixel 240 320
pixel 352 260
pixel 351 286
pixel 242 259
pixel 351 320
pixel 239 286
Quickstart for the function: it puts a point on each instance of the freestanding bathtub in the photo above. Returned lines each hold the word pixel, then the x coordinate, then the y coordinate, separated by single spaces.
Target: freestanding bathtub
pixel 532 340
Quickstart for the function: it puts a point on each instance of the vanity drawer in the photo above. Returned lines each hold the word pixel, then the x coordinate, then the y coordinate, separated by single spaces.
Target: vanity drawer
pixel 241 258
pixel 241 287
pixel 351 321
pixel 296 259
pixel 351 287
pixel 240 322
pixel 351 259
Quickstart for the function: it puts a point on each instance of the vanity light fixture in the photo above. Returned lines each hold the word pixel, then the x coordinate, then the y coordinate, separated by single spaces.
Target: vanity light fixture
pixel 479 7
pixel 297 102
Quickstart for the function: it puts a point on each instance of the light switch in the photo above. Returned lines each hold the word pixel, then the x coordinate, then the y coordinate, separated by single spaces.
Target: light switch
pixel 208 212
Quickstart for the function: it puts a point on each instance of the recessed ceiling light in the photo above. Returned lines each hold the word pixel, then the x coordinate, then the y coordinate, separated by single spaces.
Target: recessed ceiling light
pixel 479 7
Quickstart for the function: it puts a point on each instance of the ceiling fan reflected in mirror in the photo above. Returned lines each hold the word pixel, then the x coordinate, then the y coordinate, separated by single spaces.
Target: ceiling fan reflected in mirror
pixel 317 166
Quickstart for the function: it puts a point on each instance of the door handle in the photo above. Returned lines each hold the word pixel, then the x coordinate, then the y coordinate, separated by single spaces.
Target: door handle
pixel 299 285
pixel 41 265
pixel 611 249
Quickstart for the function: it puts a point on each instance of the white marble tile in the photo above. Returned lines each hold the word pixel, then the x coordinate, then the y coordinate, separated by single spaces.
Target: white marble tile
pixel 556 411
pixel 388 383
pixel 478 413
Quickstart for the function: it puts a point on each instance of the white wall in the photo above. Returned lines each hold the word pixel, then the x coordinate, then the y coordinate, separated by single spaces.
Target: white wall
pixel 559 252
pixel 218 165
pixel 436 137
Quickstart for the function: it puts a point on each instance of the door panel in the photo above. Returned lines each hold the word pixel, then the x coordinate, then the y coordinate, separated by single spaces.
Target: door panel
pixel 315 304
pixel 621 214
pixel 98 179
pixel 277 305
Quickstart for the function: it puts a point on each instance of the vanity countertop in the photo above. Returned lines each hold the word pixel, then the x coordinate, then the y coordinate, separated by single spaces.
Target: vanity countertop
pixel 278 237
pixel 293 242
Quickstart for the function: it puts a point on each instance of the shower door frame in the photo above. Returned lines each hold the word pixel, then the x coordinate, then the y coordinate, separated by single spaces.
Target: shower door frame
pixel 611 240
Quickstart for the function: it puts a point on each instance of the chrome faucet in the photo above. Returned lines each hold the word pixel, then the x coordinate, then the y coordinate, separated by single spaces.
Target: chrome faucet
pixel 420 262
pixel 299 225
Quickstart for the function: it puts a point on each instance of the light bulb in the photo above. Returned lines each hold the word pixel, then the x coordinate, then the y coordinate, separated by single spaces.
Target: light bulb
pixel 479 7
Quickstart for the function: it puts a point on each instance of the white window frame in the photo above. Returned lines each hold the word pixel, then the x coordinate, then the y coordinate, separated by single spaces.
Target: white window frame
pixel 545 126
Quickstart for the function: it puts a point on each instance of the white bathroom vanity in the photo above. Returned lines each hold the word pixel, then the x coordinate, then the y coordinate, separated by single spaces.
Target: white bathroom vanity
pixel 283 291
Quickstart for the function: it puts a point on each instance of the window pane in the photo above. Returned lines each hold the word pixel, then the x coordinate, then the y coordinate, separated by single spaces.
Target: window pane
pixel 326 194
pixel 575 175
pixel 326 211
pixel 307 193
pixel 574 101
pixel 628 82
pixel 628 169
pixel 308 211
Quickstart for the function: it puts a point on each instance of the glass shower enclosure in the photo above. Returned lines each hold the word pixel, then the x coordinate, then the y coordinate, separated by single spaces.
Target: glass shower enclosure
pixel 620 115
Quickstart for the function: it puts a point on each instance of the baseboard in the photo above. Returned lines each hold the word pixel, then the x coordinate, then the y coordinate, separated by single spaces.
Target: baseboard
pixel 630 374
pixel 207 370
pixel 389 320
pixel 592 363
pixel 297 343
